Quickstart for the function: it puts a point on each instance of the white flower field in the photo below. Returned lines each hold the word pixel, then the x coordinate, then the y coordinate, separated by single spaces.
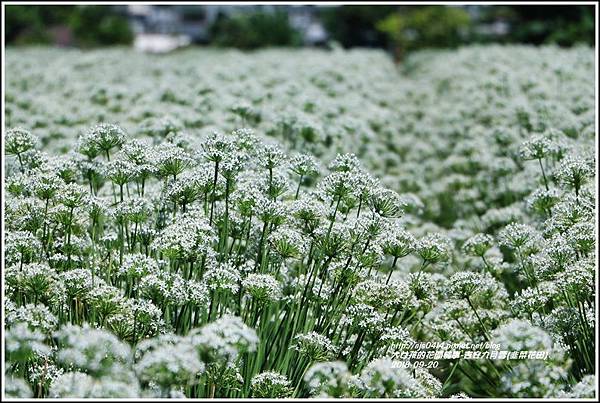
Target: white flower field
pixel 300 223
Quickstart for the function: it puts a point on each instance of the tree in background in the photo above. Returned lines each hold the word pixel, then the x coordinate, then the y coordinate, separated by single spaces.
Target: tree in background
pixel 253 30
pixel 560 24
pixel 29 24
pixel 356 25
pixel 89 25
pixel 412 28
pixel 416 27
pixel 98 25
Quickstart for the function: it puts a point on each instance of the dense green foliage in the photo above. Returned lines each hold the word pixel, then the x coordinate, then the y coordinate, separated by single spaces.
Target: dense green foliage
pixel 426 27
pixel 407 28
pixel 356 25
pixel 564 25
pixel 91 25
pixel 253 30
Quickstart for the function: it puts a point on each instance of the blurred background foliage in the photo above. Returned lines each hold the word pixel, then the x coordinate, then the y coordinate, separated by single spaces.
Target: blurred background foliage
pixel 356 25
pixel 560 24
pixel 426 27
pixel 254 30
pixel 399 29
pixel 81 26
pixel 96 25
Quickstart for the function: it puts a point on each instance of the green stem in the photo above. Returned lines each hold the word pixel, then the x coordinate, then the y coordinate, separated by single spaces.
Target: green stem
pixel 214 189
